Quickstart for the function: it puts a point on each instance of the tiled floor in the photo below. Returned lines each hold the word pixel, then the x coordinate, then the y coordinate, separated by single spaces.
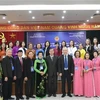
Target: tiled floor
pixel 66 98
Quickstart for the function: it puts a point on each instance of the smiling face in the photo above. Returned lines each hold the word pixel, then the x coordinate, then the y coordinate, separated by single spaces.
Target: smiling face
pixel 87 42
pixel 40 55
pixel 65 50
pixel 30 55
pixel 23 44
pixel 17 43
pixel 95 41
pixel 71 43
pixel 47 44
pixel 87 56
pixel 63 44
pixel 95 54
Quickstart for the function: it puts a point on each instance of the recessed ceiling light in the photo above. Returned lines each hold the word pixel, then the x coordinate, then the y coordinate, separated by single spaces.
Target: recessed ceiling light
pixel 64 11
pixel 30 11
pixel 4 17
pixel 91 17
pixel 9 21
pixel 97 11
pixel 63 17
pixel 33 17
pixel 87 20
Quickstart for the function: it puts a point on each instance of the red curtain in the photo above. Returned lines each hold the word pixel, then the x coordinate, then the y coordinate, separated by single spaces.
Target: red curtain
pixel 12 36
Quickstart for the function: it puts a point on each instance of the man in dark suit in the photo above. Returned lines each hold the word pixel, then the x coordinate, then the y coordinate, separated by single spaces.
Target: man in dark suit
pixel 8 74
pixel 52 63
pixel 19 64
pixel 66 70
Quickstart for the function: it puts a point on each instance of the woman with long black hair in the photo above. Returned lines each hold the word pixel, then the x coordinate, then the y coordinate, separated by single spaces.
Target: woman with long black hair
pixel 57 51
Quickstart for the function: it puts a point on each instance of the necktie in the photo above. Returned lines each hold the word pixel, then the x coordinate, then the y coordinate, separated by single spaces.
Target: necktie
pixel 65 63
pixel 52 58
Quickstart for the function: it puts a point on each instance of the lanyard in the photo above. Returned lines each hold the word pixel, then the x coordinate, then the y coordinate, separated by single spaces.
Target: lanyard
pixel 86 62
pixel 32 62
pixel 77 61
pixel 94 61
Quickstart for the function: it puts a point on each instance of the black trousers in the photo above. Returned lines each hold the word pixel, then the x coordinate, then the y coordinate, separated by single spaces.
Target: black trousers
pixel 66 75
pixel 0 87
pixel 19 87
pixel 30 85
pixel 7 88
pixel 52 84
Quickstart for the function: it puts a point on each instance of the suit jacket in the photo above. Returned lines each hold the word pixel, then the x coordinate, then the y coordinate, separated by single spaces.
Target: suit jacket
pixel 61 64
pixel 7 67
pixel 47 52
pixel 52 65
pixel 18 67
pixel 27 67
pixel 90 50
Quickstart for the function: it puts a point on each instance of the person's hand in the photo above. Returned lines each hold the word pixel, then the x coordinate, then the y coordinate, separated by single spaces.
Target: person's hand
pixel 6 79
pixel 25 78
pixel 15 78
pixel 94 68
pixel 42 73
pixel 84 71
pixel 71 74
pixel 60 74
pixel 47 75
pixel 87 70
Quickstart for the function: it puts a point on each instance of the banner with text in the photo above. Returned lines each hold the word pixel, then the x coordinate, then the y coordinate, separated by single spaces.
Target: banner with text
pixel 41 37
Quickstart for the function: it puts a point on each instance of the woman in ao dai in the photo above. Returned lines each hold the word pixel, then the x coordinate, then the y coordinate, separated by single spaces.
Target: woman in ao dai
pixel 78 75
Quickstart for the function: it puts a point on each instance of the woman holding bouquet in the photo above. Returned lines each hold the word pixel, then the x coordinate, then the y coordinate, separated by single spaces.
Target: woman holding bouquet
pixel 41 68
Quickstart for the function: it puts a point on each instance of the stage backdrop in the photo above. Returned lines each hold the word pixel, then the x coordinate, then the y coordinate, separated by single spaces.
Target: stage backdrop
pixel 41 37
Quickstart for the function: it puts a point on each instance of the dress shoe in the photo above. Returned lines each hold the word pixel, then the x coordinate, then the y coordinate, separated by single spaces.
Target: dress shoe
pixel 11 98
pixel 17 98
pixel 27 98
pixel 21 97
pixel 49 95
pixel 63 95
pixel 69 95
pixel 32 96
pixel 54 95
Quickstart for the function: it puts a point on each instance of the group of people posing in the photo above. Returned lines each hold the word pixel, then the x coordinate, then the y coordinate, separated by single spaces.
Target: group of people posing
pixel 40 67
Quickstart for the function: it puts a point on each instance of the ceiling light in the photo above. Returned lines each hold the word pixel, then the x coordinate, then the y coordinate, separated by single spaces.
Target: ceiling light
pixel 30 11
pixel 87 20
pixel 97 11
pixel 33 17
pixel 63 17
pixel 4 17
pixel 91 17
pixel 64 11
pixel 9 21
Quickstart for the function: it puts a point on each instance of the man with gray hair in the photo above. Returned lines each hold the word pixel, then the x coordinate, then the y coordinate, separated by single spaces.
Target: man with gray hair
pixel 8 74
pixel 66 70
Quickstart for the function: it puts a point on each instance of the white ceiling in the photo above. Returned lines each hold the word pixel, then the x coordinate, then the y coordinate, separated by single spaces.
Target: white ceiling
pixel 19 2
pixel 23 17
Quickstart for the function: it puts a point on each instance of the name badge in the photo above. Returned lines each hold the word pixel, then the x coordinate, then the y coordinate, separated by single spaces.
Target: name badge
pixel 12 68
pixel 41 67
pixel 76 68
pixel 86 67
pixel 32 69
